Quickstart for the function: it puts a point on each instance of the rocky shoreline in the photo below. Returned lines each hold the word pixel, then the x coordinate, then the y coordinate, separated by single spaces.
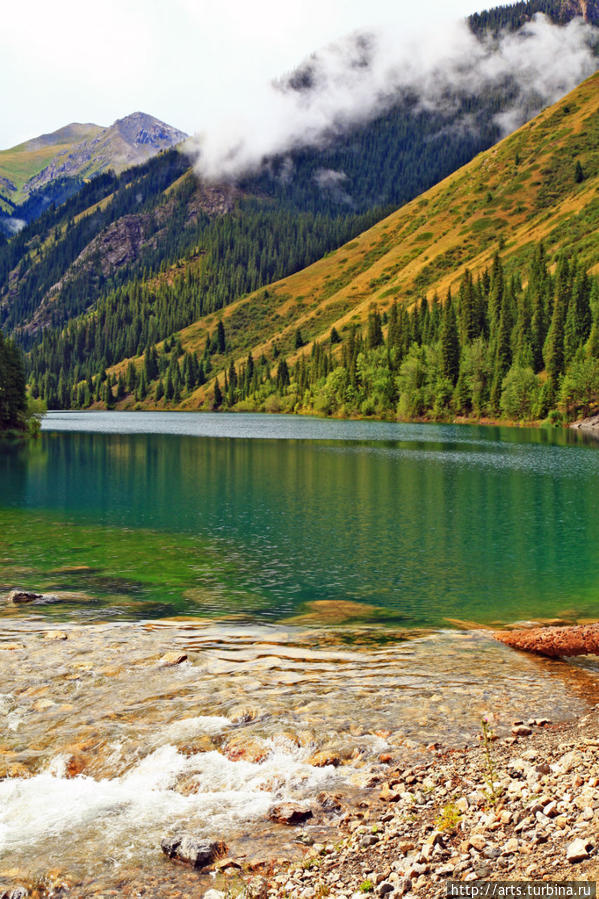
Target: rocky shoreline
pixel 522 808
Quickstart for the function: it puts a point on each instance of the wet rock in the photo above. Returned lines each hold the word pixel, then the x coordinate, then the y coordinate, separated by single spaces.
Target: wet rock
pixel 23 596
pixel 55 635
pixel 330 803
pixel 577 851
pixel 554 641
pixel 170 659
pixel 322 759
pixel 290 813
pixel 250 749
pixel 257 888
pixel 76 764
pixel 192 851
pixel 243 715
pixel 385 888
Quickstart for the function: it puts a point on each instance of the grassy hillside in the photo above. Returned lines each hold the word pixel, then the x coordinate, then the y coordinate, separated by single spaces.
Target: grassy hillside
pixel 327 323
pixel 520 192
pixel 50 168
pixel 22 162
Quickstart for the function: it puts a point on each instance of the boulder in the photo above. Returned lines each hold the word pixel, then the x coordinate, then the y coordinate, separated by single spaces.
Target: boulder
pixel 554 642
pixel 324 759
pixel 290 813
pixel 192 851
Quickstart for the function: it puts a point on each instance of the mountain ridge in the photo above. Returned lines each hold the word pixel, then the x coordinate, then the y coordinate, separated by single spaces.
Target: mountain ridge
pixel 74 153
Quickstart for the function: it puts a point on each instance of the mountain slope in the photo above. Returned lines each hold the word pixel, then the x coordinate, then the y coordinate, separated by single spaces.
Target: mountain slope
pixel 525 190
pixel 73 154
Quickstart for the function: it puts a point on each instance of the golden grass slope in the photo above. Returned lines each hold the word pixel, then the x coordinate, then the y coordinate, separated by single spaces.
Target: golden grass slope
pixel 521 191
pixel 20 163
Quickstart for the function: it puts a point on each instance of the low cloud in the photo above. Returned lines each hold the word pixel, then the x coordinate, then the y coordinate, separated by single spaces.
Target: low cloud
pixel 354 80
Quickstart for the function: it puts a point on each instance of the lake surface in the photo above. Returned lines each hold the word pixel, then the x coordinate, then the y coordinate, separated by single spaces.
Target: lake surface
pixel 261 516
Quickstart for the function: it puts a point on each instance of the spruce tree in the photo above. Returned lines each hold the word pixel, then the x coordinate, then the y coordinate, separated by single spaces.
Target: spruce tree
pixel 450 344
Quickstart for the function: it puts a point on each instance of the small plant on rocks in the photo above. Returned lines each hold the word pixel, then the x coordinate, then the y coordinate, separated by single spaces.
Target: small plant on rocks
pixel 366 886
pixel 449 818
pixel 493 792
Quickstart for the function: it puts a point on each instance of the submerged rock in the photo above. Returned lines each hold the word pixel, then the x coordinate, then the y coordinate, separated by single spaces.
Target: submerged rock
pixel 192 851
pixel 23 596
pixel 257 888
pixel 170 659
pixel 290 812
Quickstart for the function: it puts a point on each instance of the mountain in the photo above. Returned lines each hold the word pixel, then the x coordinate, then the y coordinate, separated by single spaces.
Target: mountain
pixel 514 15
pixel 132 258
pixel 514 233
pixel 53 166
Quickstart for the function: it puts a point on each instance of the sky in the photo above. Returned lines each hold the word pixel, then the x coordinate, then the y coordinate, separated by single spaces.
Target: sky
pixel 188 62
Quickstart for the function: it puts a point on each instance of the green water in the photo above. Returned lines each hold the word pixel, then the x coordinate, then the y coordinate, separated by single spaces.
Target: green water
pixel 258 517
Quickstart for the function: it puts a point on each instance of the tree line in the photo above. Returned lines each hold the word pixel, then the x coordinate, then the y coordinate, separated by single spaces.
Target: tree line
pixel 521 347
pixel 13 402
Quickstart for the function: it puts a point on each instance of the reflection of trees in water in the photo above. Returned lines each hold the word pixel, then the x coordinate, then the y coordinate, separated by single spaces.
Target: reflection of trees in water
pixel 18 459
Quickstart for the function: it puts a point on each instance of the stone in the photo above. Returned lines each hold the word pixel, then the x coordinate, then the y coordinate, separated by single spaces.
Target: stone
pixel 385 888
pixel 215 894
pixel 257 888
pixel 14 893
pixel 577 851
pixel 323 759
pixel 192 851
pixel 76 764
pixel 170 659
pixel 388 795
pixel 370 839
pixel 290 813
pixel 521 730
pixel 55 635
pixel 23 596
pixel 478 841
pixel 250 749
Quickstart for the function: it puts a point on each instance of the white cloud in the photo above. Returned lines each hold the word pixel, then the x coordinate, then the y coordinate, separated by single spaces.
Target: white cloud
pixel 185 61
pixel 353 80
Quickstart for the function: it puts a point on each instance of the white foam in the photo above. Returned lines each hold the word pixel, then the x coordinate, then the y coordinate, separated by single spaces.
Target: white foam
pixel 134 810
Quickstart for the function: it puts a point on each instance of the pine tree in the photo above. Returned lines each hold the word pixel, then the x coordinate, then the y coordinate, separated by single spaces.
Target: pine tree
pixel 218 397
pixel 375 329
pixel 450 344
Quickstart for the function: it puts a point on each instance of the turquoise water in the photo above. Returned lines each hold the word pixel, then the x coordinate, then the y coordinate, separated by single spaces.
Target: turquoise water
pixel 261 516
